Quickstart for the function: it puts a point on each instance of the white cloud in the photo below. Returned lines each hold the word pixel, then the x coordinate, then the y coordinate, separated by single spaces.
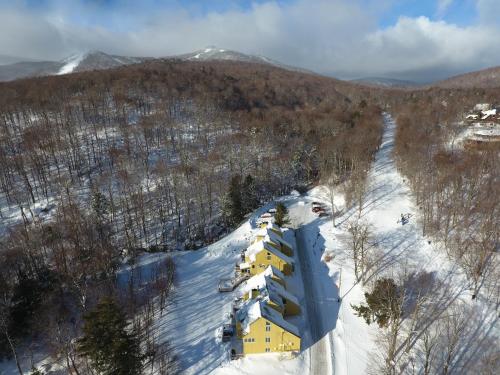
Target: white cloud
pixel 443 5
pixel 330 36
pixel 419 44
pixel 489 11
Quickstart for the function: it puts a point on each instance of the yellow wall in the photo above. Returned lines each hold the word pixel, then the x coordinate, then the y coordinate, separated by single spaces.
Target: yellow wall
pixel 280 340
pixel 262 262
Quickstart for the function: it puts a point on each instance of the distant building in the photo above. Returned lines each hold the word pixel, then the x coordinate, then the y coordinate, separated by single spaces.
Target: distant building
pixel 488 115
pixel 482 107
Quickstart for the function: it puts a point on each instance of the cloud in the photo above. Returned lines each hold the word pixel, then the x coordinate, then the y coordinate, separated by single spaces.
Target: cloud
pixel 337 37
pixel 488 11
pixel 442 6
pixel 419 46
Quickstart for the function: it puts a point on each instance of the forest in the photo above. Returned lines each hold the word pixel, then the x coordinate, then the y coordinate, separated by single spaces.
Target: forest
pixel 97 168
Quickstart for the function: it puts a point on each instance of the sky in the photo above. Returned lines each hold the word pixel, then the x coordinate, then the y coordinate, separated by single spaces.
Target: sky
pixel 420 40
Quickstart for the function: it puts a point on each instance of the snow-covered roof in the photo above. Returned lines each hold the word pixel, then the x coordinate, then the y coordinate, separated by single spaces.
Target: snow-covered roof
pixel 273 271
pixel 259 246
pixel 482 106
pixel 271 236
pixel 273 226
pixel 268 288
pixel 254 309
pixel 487 114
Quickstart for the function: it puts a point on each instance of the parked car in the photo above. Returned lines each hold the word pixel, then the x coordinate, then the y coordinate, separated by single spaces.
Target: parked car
pixel 266 215
pixel 317 209
pixel 322 214
pixel 317 204
pixel 272 210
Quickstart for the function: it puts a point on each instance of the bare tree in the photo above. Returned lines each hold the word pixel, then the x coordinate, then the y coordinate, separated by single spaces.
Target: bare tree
pixel 359 236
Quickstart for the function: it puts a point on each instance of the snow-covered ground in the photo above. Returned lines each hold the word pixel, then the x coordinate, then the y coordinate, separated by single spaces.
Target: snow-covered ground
pixel 479 131
pixel 197 311
pixel 71 63
pixel 335 340
pixel 345 339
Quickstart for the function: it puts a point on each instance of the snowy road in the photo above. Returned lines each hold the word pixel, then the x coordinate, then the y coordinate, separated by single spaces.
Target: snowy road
pixel 320 359
pixel 320 293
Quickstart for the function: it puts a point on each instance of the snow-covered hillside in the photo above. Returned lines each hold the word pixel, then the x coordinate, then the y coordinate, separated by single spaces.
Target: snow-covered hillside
pixel 71 63
pixel 213 53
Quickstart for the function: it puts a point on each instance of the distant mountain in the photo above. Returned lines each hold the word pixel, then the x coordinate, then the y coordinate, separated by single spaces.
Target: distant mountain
pixel 94 60
pixel 97 60
pixel 213 53
pixel 385 82
pixel 28 69
pixel 487 78
pixel 9 59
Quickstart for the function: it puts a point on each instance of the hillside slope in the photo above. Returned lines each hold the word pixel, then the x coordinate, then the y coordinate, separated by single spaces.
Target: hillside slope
pixel 94 60
pixel 487 78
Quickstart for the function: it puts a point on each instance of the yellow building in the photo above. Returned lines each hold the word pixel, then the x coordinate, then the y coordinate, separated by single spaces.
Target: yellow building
pixel 263 287
pixel 268 235
pixel 263 329
pixel 262 254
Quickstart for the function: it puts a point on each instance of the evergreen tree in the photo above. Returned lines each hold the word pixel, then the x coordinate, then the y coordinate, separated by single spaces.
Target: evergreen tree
pixel 383 303
pixel 281 216
pixel 232 204
pixel 249 195
pixel 100 206
pixel 107 343
pixel 36 371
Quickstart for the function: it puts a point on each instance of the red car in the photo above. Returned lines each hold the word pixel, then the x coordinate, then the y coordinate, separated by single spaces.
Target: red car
pixel 317 209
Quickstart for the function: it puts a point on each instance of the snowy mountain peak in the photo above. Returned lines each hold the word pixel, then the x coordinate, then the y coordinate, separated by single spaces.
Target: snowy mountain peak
pixel 212 53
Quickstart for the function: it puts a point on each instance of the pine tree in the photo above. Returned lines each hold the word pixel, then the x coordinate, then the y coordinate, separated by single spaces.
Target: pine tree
pixel 383 303
pixel 111 349
pixel 249 197
pixel 100 205
pixel 281 216
pixel 232 204
pixel 36 371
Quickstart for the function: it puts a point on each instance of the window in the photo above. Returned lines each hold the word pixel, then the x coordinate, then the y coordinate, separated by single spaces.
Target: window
pixel 268 339
pixel 268 350
pixel 268 327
